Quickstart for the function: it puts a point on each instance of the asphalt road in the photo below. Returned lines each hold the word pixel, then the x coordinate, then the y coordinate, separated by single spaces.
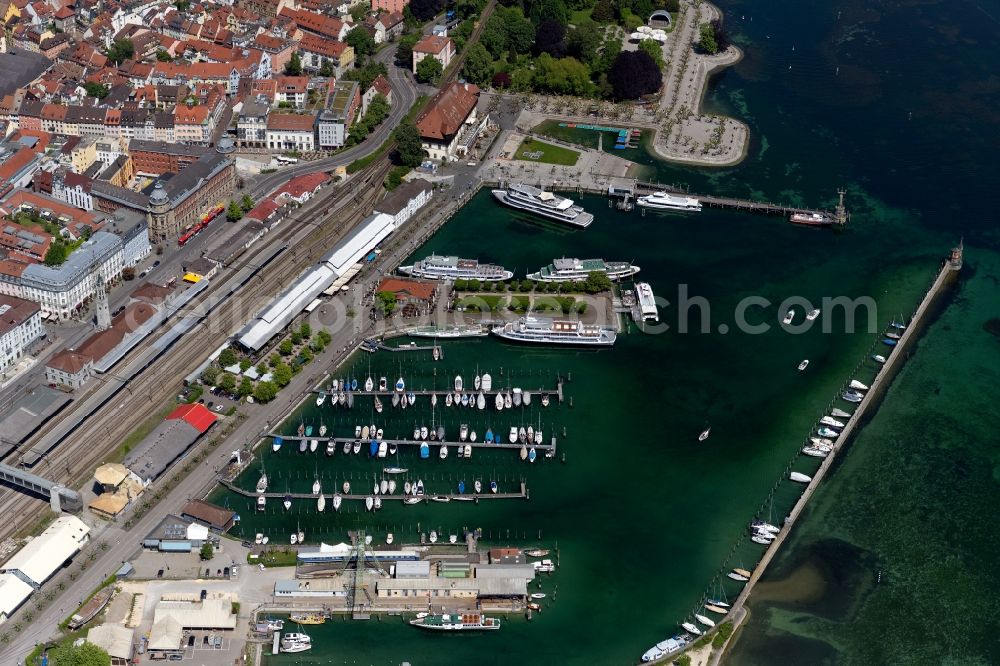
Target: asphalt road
pixel 404 94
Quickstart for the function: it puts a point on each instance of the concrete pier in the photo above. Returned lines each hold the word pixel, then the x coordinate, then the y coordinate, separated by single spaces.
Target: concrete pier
pixel 417 442
pixel 522 493
pixel 947 276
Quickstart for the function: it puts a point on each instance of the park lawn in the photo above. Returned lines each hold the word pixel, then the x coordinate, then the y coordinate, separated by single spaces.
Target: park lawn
pixel 533 150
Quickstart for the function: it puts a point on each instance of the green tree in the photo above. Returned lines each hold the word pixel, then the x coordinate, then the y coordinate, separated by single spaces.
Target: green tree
pixel 265 391
pixel 305 330
pixel 359 12
pixel 227 382
pixel 408 145
pixel 387 301
pixel 584 42
pixel 404 50
pixel 596 282
pixel 57 253
pixel 294 65
pixel 306 355
pixel 282 374
pixel 683 660
pixel 247 203
pixel 296 338
pixel 262 368
pixel 286 347
pixel 520 31
pixel 163 56
pixel 324 336
pixel 655 51
pixel 566 76
pixel 478 66
pixel 182 5
pixel 86 654
pixel 227 357
pixel 95 89
pixel 366 74
pixel 234 212
pixel 603 11
pixel 207 552
pixel 544 10
pixel 429 70
pixel 120 51
pixel 246 387
pixel 361 41
pixel 707 42
pixel 326 69
pixel 210 375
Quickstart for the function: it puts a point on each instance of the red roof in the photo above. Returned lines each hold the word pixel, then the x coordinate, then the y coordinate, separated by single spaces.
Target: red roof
pixel 448 110
pixel 299 185
pixel 196 415
pixel 433 44
pixel 404 289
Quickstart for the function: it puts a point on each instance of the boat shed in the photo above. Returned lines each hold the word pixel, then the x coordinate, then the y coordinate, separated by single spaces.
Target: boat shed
pixel 44 555
pixel 215 517
pixel 169 441
pixel 314 281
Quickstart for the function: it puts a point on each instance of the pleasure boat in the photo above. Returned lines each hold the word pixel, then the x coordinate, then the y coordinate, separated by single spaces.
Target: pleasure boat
pixel 331 447
pixel 546 204
pixel 316 487
pixel 532 455
pixel 369 384
pixel 532 330
pixel 383 486
pixel 287 502
pixel 400 385
pixel 321 399
pixel 261 502
pixel 382 449
pixel 468 449
pixel 411 398
pixel 433 536
pixel 821 442
pixel 832 422
pixel 512 436
pixel 737 576
pixel 365 431
pixel 827 432
pixel 449 400
pixel 463 432
pixel 852 396
pixel 665 201
pixel 761 539
pixel 799 477
pixel 878 358
pixel 262 484
pixel 704 620
pixel 516 397
pixel 522 434
pixel 477 486
pixel 423 432
pixel 839 413
pixel 369 503
pixel 356 447
pixel 337 500
pixel 761 525
pixel 789 317
pixel 811 316
pixel 276 444
pixel 472 435
pixel 313 445
pixel 320 503
pixel 716 602
pixel 858 386
pixel 458 621
pixel 458 383
pixel 499 401
pixel 487 382
pixel 294 642
pixel 816 452
pixel 690 628
pixel 524 452
pixel 493 487
pixel 379 433
pixel 489 436
pixel 383 384
pixel 803 365
pixel 481 401
pixel 889 342
pixel 437 267
pixel 578 270
pixel 347 487
pixel 443 453
pixel 538 438
pixel 704 434
pixel 545 400
pixel 425 451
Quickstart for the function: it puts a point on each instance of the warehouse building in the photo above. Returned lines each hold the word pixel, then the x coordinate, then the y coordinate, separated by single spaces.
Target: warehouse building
pixel 169 441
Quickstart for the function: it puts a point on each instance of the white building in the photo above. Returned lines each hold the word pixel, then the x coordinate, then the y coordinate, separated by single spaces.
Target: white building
pixel 44 555
pixel 288 131
pixel 62 290
pixel 13 593
pixel 20 326
pixel 403 202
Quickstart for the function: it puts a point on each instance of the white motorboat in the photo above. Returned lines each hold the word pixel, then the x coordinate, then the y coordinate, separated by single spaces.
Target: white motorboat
pixel 369 503
pixel 423 432
pixel 512 436
pixel 499 401
pixel 383 486
pixel 878 358
pixel 531 434
pixel 261 502
pixel 313 445
pixel 452 538
pixel 383 384
pixel 522 434
pixel 316 487
pixel 347 487
pixel 463 432
pixel 508 401
pixel 331 447
pixel 448 399
pixel 545 400
pixel 320 503
pixel 816 452
pixel 789 317
pixel 704 434
pixel 468 449
pixel 472 435
pixel 821 442
pixel 262 484
pixel 443 453
pixel 664 201
pixel 294 539
pixel 487 382
pixel 477 382
pixel 812 315
pixel 322 429
pixel 832 422
pixel 407 487
pixel 392 486
pixel 379 433
pixel 526 398
pixel 858 386
pixel 395 470
pixel 481 401
pixel 839 413
pixel 516 397
pixel 478 486
pixel 365 431
pixel 524 452
pixel 337 500
pixel 416 432
pixel 737 576
pixel 389 538
pixel 803 365
pixel 538 437
pixel 433 536
pixel 799 477
pixel 383 449
pixel 760 525
pixel 378 503
pixel 762 540
pixel 369 384
pixel 356 447
pixel 458 383
pixel 376 488
pixel 704 620
pixel 321 399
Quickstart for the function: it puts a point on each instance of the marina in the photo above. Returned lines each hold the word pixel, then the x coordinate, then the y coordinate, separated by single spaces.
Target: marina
pixel 522 493
pixel 340 441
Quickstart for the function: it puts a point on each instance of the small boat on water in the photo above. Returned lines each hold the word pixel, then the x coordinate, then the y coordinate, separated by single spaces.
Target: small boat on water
pixel 522 434
pixel 383 384
pixel 440 433
pixel 715 609
pixel 443 453
pixel 516 397
pixel 303 445
pixel 452 538
pixel 477 486
pixel 827 432
pixel 532 455
pixel 389 538
pixel 524 452
pixel 839 413
pixel 347 487
pixel 487 382
pixel 400 385
pixel 690 628
pixel 716 602
pixel 851 396
pixel 812 315
pixel 313 445
pixel 493 486
pixel 761 539
pixel 337 500
pixel 369 503
pixel 378 505
pixel 878 358
pixel 803 365
pixel 526 398
pixel 449 400
pixel 742 572
pixel 481 401
pixel 379 433
pixel 262 484
pixel 425 451
pixel 407 487
pixel 821 442
pixel 433 536
pixel 537 552
pixel 799 477
pixel 816 452
pixel 316 487
pixel 383 486
pixel 858 386
pixel 545 400
pixel 499 401
pixel 394 470
pixel 423 432
pixel 356 447
pixel 893 335
pixel 508 401
pixel 456 622
pixel 321 399
pixel 738 576
pixel 369 384
pixel 276 444
pixel 294 538
pixel 538 595
pixel 468 448
pixel 832 422
pixel 704 434
pixel 320 503
pixel 365 431
pixel 416 432
pixel 458 382
pixel 472 435
pixel 760 525
pixel 512 436
pixel 463 432
pixel 704 620
pixel 261 502
pixel 391 486
pixel 411 398
pixel 789 317
pixel 461 487
pixel 489 436
pixel 382 449
pixel 889 342
pixel 287 502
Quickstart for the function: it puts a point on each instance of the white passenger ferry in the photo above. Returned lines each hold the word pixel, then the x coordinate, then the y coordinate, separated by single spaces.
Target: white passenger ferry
pixel 436 267
pixel 537 201
pixel 647 303
pixel 664 201
pixel 556 332
pixel 577 270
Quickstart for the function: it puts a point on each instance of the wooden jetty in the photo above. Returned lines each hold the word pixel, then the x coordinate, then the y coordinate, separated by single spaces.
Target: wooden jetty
pixel 550 446
pixel 522 493
pixel 441 393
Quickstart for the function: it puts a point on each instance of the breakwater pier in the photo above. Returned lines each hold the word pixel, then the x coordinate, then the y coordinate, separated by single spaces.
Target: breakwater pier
pixel 894 360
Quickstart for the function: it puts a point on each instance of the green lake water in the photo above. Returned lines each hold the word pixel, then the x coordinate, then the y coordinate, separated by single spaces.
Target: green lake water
pixel 646 519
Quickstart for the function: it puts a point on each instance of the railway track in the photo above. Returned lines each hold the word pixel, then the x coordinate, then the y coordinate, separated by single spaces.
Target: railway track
pixel 73 459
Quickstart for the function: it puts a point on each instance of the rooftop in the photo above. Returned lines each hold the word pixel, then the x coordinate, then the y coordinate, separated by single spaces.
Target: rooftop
pixel 291 122
pixel 15 311
pixel 45 554
pixel 448 110
pixel 432 44
pixel 399 198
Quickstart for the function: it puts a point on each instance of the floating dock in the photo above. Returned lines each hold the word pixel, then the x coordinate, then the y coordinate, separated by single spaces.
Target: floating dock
pixel 543 447
pixel 441 393
pixel 429 498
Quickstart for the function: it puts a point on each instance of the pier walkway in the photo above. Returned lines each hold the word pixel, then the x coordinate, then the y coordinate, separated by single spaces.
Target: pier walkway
pixel 764 207
pixel 472 393
pixel 437 497
pixel 946 276
pixel 551 446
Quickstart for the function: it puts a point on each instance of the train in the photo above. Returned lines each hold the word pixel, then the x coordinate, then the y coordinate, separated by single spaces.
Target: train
pixel 205 220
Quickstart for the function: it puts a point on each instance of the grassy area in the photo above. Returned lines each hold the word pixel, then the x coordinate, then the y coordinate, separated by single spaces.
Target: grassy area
pixel 519 303
pixel 480 303
pixel 534 150
pixel 579 16
pixel 276 558
pixel 140 433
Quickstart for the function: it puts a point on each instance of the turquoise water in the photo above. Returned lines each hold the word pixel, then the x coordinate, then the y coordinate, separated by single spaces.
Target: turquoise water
pixel 644 517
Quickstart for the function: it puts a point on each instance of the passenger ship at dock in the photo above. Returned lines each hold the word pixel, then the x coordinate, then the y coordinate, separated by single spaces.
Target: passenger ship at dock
pixel 556 332
pixel 437 267
pixel 577 270
pixel 665 201
pixel 537 201
pixel 646 302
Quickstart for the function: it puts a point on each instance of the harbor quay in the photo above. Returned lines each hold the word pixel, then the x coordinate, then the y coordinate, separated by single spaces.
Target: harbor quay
pixel 934 298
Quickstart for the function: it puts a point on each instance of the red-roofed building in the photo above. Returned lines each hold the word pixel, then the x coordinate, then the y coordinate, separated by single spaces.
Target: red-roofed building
pixel 316 50
pixel 392 6
pixel 317 24
pixel 301 188
pixel 450 123
pixel 196 415
pixel 290 131
pixel 378 87
pixel 413 297
pixel 17 170
pixel 440 48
